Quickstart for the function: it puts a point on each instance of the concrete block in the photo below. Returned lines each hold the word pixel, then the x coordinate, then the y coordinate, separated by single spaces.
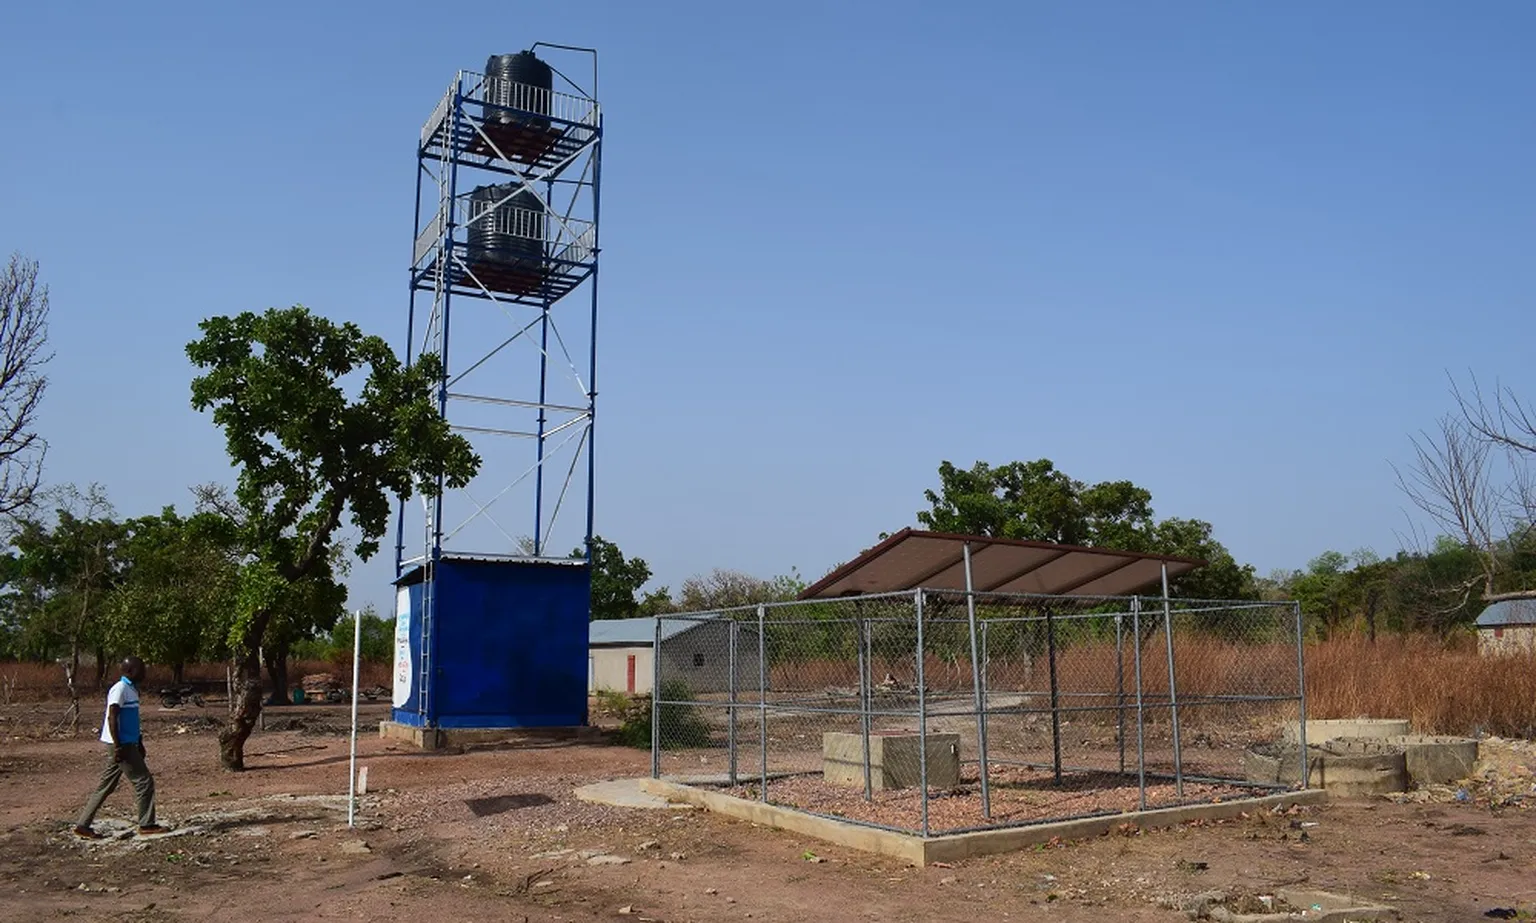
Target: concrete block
pixel 1322 730
pixel 1437 760
pixel 893 760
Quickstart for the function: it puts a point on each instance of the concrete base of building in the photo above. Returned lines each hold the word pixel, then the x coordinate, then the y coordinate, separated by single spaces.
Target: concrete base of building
pixel 427 738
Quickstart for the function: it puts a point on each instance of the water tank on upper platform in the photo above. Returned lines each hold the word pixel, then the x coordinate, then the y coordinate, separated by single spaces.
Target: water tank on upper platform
pixel 518 81
pixel 512 236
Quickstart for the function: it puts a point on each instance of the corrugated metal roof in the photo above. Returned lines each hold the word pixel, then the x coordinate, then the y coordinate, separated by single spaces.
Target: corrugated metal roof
pixel 935 560
pixel 634 632
pixel 1508 612
pixel 413 570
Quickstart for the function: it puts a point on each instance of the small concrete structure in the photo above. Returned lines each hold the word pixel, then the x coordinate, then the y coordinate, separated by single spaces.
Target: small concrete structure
pixel 955 847
pixel 1507 627
pixel 893 760
pixel 1347 767
pixel 1437 760
pixel 1325 729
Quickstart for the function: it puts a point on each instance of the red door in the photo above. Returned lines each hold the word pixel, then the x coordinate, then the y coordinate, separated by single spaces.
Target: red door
pixel 630 671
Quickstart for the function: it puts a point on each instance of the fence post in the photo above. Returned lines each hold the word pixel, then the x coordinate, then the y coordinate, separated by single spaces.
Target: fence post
pixel 762 695
pixel 922 714
pixel 656 702
pixel 1173 691
pixel 1301 685
pixel 980 697
pixel 866 668
pixel 1120 682
pixel 731 708
pixel 1141 719
pixel 1050 650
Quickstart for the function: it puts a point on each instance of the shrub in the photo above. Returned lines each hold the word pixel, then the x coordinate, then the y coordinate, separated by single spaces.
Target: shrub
pixel 681 724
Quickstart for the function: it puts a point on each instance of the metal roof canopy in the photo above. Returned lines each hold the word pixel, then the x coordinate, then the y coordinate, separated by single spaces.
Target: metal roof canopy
pixel 913 559
pixel 636 632
pixel 1508 612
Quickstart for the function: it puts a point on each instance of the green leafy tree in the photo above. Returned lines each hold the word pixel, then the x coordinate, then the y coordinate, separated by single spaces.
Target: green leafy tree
pixel 1320 590
pixel 656 602
pixel 615 580
pixel 180 576
pixel 1036 502
pixel 378 637
pixel 64 573
pixel 313 605
pixel 725 589
pixel 325 425
pixel 336 646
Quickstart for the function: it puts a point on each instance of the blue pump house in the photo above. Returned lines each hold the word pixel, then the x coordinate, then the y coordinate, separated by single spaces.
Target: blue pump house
pixel 507 644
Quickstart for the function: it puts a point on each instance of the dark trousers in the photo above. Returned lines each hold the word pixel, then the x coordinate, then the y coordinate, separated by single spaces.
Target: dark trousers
pixel 133 765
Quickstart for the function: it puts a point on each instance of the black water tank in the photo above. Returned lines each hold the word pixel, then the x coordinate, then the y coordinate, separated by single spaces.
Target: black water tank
pixel 520 81
pixel 513 237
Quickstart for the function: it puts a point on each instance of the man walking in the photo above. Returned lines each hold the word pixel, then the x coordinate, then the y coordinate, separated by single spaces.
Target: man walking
pixel 120 731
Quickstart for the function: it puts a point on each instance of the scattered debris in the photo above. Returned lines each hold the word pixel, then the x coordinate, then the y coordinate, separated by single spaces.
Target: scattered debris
pixel 608 860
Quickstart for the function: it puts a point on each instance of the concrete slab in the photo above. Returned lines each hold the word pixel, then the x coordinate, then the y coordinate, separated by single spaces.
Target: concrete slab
pixel 924 851
pixel 626 793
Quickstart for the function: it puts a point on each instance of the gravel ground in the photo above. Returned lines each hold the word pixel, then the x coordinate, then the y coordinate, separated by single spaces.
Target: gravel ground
pixel 1017 794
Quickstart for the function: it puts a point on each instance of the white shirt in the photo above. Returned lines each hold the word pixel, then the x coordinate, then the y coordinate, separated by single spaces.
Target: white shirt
pixel 125 696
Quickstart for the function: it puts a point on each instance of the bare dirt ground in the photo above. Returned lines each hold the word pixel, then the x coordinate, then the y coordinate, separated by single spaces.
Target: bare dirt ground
pixel 495 834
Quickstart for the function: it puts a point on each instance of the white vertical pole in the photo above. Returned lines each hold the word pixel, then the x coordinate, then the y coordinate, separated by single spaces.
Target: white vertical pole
pixel 357 643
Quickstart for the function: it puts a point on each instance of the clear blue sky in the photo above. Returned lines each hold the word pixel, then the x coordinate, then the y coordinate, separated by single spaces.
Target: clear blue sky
pixel 1227 251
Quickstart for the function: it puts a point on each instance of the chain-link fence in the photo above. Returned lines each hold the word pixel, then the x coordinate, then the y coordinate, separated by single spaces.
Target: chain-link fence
pixel 939 712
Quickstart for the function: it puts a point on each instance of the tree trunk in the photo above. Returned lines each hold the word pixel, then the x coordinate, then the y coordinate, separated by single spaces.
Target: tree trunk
pixel 177 669
pixel 277 670
pixel 71 673
pixel 101 668
pixel 244 710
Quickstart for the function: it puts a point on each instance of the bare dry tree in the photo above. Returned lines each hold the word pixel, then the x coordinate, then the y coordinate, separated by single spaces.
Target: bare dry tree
pixel 23 344
pixel 1476 479
pixel 1508 423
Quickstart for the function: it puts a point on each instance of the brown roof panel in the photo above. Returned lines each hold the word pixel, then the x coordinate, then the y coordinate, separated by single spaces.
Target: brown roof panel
pixel 935 560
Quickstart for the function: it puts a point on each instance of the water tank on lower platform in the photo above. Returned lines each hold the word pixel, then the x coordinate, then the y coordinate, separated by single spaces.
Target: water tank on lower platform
pixel 504 232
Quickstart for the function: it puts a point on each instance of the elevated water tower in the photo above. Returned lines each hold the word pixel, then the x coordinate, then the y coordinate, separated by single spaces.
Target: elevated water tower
pixel 491 605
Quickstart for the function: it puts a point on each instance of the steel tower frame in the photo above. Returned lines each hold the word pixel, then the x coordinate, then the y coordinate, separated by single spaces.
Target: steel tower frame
pixel 548 143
